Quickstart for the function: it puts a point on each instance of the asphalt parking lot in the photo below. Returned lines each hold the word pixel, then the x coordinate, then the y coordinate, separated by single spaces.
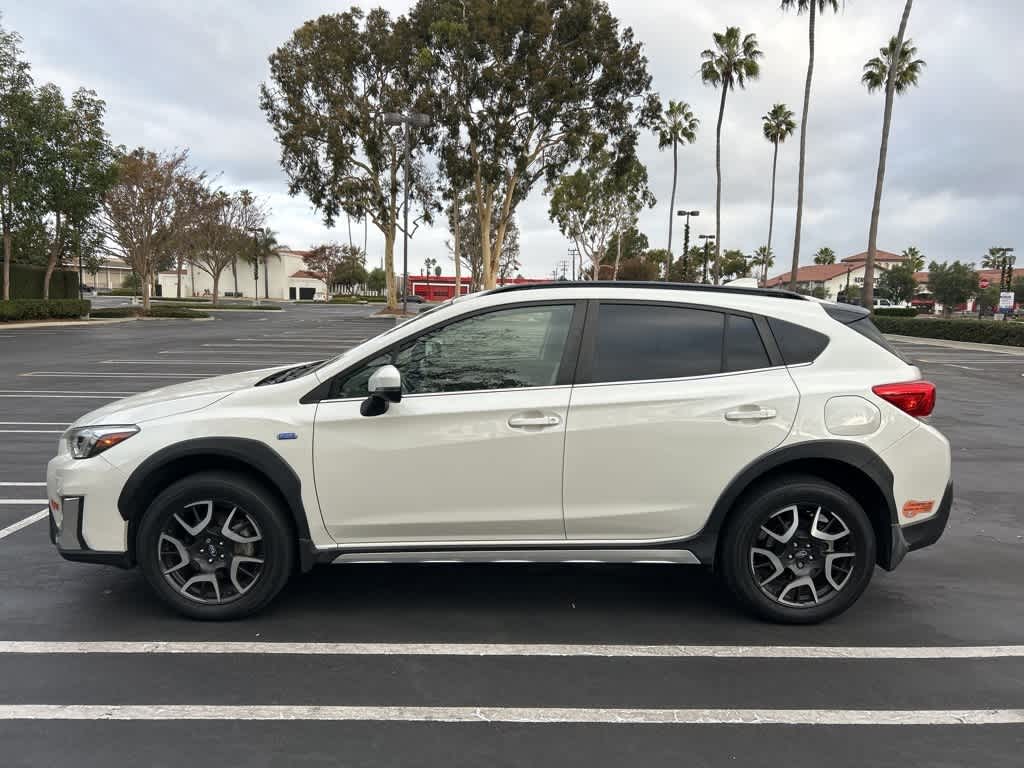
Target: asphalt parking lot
pixel 501 664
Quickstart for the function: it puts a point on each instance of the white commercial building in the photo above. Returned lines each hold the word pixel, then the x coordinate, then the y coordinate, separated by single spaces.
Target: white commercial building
pixel 282 276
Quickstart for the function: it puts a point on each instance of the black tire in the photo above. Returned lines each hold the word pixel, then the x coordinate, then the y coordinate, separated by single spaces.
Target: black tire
pixel 263 518
pixel 771 503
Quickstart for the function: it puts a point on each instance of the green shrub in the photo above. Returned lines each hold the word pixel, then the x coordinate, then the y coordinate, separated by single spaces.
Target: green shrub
pixel 155 310
pixel 983 331
pixel 357 299
pixel 40 309
pixel 895 312
pixel 207 305
pixel 27 282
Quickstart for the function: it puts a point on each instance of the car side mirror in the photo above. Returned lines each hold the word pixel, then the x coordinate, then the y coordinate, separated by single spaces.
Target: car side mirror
pixel 385 387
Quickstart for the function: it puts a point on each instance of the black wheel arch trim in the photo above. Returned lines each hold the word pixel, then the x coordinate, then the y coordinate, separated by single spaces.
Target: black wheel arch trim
pixel 263 459
pixel 891 547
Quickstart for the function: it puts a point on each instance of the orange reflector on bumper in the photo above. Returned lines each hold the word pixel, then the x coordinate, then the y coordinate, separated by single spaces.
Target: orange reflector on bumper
pixel 914 508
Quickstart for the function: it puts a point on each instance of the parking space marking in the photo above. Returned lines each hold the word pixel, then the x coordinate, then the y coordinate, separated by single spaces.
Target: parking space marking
pixel 537 715
pixel 20 502
pixel 33 424
pixel 31 431
pixel 67 392
pixel 32 396
pixel 510 649
pixel 178 362
pixel 21 485
pixel 14 528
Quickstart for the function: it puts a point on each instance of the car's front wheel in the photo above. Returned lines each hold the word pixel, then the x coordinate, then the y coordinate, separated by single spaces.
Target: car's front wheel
pixel 798 550
pixel 216 546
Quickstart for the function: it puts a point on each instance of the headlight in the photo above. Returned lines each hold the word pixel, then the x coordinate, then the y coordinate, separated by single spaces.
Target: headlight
pixel 86 442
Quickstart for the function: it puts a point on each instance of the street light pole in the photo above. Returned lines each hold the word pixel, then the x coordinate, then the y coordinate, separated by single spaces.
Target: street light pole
pixel 686 241
pixel 708 240
pixel 408 120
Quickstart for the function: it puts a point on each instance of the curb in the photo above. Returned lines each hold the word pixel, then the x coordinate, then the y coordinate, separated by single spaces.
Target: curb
pixel 67 323
pixel 1005 349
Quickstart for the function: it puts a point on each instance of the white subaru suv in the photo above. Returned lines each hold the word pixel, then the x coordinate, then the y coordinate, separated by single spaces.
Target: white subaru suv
pixel 775 438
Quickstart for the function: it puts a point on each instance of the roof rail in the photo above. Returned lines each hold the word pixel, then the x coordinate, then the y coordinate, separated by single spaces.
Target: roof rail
pixel 769 292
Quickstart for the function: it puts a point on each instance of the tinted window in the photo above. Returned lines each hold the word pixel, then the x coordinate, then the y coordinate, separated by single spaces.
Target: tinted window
pixel 636 342
pixel 796 343
pixel 506 349
pixel 744 350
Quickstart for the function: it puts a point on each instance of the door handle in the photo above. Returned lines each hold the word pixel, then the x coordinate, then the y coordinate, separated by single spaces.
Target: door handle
pixel 752 414
pixel 534 421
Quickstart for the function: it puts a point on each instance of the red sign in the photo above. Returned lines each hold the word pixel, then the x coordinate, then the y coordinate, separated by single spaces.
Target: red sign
pixel 983 283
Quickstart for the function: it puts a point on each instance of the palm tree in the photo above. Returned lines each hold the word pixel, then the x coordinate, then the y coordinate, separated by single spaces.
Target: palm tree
pixel 677 126
pixel 825 255
pixel 814 7
pixel 763 259
pixel 732 62
pixel 897 70
pixel 266 246
pixel 778 126
pixel 914 258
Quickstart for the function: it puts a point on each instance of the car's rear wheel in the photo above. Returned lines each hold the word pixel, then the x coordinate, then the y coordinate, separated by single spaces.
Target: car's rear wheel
pixel 216 546
pixel 798 550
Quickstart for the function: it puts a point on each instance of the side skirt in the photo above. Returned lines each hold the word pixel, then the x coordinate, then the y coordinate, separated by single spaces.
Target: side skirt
pixel 650 556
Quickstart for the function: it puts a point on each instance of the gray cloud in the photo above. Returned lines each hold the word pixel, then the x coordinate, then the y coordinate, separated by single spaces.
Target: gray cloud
pixel 186 73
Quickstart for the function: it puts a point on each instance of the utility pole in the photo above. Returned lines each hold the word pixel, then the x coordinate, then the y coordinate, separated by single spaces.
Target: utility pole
pixel 574 254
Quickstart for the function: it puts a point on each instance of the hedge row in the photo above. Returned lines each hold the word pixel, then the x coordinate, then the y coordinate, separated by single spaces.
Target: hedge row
pixel 225 305
pixel 155 310
pixel 895 312
pixel 357 299
pixel 27 282
pixel 38 309
pixel 983 331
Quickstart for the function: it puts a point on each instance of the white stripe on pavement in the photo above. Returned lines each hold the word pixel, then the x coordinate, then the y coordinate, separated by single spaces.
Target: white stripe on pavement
pixel 19 502
pixel 114 392
pixel 6 484
pixel 67 397
pixel 31 431
pixel 40 515
pixel 514 714
pixel 134 374
pixel 507 649
pixel 34 424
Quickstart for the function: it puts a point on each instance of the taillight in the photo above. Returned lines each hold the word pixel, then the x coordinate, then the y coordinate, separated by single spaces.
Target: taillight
pixel 914 397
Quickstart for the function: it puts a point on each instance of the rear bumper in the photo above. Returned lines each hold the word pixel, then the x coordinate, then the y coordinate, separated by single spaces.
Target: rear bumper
pixel 907 538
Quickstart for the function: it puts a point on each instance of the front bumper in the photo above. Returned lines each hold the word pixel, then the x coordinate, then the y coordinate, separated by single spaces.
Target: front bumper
pixel 85 525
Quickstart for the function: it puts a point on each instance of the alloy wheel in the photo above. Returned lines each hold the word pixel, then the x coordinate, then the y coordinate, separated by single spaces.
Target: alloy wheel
pixel 803 555
pixel 211 551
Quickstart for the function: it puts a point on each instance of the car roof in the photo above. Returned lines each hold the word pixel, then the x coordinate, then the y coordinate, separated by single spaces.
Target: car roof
pixel 660 286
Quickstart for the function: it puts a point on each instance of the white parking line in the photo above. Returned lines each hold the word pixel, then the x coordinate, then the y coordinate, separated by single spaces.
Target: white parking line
pixel 179 362
pixel 538 715
pixel 40 515
pixel 67 397
pixel 31 431
pixel 33 424
pixel 21 485
pixel 21 502
pixel 67 392
pixel 512 649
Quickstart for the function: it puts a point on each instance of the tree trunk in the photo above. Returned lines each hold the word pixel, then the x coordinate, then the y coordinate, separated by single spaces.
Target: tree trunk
pixel 457 241
pixel 618 256
pixel 389 269
pixel 672 204
pixel 490 279
pixel 718 191
pixel 51 260
pixel 234 273
pixel 179 263
pixel 216 288
pixel 868 294
pixel 7 263
pixel 771 211
pixel 349 219
pixel 803 151
pixel 145 291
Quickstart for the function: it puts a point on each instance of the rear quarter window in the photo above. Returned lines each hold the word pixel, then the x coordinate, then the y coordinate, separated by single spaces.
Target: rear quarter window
pixel 796 343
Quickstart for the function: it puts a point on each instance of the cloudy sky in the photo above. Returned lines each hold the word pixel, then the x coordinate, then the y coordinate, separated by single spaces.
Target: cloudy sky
pixel 185 73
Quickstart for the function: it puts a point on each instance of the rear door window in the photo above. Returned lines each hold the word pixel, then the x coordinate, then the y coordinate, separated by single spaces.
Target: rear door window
pixel 638 342
pixel 744 350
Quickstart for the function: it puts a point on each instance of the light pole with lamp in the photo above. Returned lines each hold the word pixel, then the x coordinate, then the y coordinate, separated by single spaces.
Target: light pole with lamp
pixel 686 241
pixel 708 241
pixel 409 120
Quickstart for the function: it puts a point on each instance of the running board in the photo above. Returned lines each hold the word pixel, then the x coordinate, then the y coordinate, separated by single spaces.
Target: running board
pixel 649 556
